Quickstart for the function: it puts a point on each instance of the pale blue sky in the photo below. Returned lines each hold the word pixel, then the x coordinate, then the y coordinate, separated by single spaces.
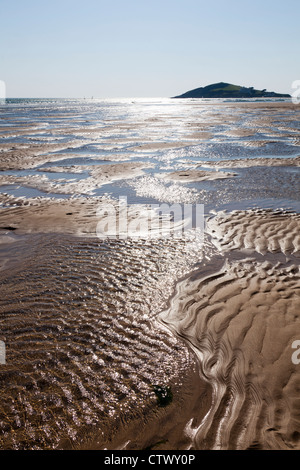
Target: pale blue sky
pixel 114 48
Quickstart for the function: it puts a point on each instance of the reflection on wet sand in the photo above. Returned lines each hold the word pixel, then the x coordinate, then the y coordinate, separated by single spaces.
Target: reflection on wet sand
pixel 149 343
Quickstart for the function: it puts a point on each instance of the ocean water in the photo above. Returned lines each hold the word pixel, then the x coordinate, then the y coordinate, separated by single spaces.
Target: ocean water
pixel 79 316
pixel 171 135
pixel 97 132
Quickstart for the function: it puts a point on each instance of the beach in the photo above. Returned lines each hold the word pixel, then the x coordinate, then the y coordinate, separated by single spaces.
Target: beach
pixel 149 342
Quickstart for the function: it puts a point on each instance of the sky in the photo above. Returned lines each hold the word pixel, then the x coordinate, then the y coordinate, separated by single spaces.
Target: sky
pixel 143 48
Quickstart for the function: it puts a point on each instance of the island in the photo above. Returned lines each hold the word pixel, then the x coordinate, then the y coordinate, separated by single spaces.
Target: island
pixel 227 90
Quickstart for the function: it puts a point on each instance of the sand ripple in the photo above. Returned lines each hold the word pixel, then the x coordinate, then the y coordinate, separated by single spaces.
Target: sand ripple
pixel 241 315
pixel 83 351
pixel 260 230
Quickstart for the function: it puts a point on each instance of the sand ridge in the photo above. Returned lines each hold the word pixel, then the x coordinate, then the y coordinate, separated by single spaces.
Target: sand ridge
pixel 99 175
pixel 242 329
pixel 249 162
pixel 30 156
pixel 188 176
pixel 241 320
pixel 260 230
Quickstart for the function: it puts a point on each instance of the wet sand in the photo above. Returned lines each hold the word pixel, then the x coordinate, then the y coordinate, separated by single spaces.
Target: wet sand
pixel 30 156
pixel 84 351
pixel 99 176
pixel 238 312
pixel 241 320
pixel 248 162
pixel 196 175
pixel 92 326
